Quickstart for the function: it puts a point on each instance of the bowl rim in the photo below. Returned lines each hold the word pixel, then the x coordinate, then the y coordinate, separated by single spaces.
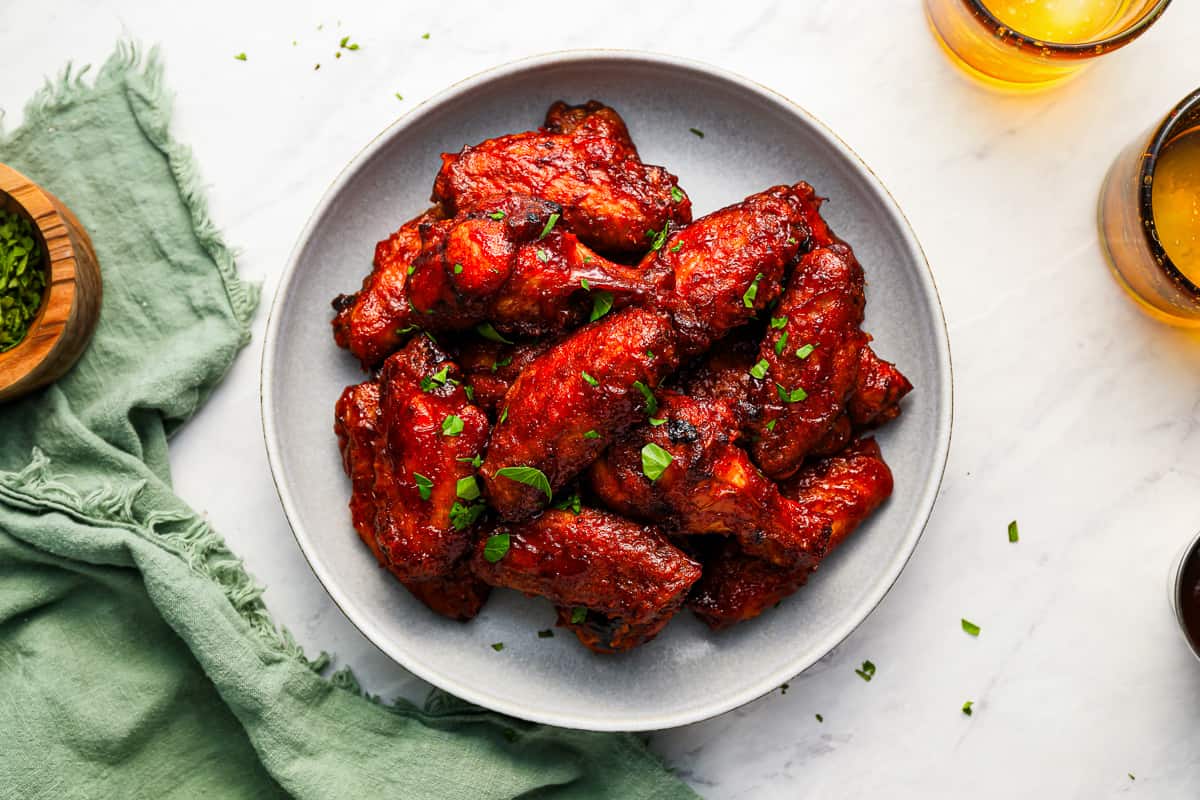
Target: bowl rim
pixel 497 702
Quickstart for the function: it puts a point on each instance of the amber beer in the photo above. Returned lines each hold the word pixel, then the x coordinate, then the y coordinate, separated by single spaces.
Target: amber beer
pixel 1150 217
pixel 1033 44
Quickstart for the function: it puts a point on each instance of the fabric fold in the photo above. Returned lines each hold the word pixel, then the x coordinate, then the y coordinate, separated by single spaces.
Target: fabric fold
pixel 137 658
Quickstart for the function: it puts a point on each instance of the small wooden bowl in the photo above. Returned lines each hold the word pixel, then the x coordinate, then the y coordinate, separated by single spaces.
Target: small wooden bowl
pixel 70 308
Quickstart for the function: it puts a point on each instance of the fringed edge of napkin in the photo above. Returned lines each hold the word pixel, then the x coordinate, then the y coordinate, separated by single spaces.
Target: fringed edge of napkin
pixel 128 68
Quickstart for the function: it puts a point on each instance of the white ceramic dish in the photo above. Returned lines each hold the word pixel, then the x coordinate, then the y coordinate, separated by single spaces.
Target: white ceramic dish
pixel 753 139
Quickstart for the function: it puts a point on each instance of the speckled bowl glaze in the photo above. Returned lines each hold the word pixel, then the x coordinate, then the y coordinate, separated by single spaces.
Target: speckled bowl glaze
pixel 753 138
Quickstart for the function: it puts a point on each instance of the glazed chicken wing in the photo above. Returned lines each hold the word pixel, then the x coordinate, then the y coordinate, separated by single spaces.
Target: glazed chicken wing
pixel 358 425
pixel 628 577
pixel 368 322
pixel 710 485
pixel 878 389
pixel 489 367
pixel 570 402
pixel 845 489
pixel 811 359
pixel 431 432
pixel 728 266
pixel 512 265
pixel 583 161
pixel 592 120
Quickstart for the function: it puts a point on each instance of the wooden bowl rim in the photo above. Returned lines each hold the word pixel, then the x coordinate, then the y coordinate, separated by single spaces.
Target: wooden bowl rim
pixel 59 271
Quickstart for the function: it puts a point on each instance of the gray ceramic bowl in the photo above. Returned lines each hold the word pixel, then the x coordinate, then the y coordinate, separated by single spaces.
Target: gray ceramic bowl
pixel 753 138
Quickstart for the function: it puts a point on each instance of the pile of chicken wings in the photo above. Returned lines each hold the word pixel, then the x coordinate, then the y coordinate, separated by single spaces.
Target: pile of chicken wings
pixel 580 392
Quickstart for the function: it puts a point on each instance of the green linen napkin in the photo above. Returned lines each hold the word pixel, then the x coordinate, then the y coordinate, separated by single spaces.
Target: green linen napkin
pixel 136 656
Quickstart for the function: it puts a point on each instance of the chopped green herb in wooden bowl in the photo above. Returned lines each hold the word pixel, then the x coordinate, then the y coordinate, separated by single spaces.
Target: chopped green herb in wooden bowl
pixel 49 286
pixel 22 278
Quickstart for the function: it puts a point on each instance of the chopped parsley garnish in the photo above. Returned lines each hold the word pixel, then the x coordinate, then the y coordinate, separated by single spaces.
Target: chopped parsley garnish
pixel 655 461
pixel 452 425
pixel 438 378
pixel 658 238
pixel 759 370
pixel 503 416
pixel 866 671
pixel 530 476
pixel 399 96
pixel 458 268
pixel 602 303
pixel 22 279
pixel 411 269
pixel 591 435
pixel 543 256
pixel 488 331
pixel 546 634
pixel 792 240
pixel 467 488
pixel 676 194
pixel 501 362
pixel 584 283
pixel 805 351
pixel 656 421
pixel 678 245
pixel 778 322
pixel 497 215
pixel 498 646
pixel 464 516
pixel 591 381
pixel 966 709
pixel 240 57
pixel 475 461
pixel 424 35
pixel 781 343
pixel 424 485
pixel 578 615
pixel 770 426
pixel 820 718
pixel 790 395
pixel 571 502
pixel 970 627
pixel 651 400
pixel 1013 534
pixel 495 547
pixel 549 226
pixel 697 132
pixel 752 292
pixel 469 391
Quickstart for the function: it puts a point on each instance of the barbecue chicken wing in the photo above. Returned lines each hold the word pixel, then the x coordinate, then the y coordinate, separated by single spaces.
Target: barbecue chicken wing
pixel 710 486
pixel 511 265
pixel 489 367
pixel 592 120
pixel 369 322
pixel 628 577
pixel 584 161
pixel 428 434
pixel 359 425
pixel 878 389
pixel 570 402
pixel 728 266
pixel 844 489
pixel 811 356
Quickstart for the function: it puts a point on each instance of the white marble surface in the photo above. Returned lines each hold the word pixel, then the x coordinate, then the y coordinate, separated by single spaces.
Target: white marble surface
pixel 1075 414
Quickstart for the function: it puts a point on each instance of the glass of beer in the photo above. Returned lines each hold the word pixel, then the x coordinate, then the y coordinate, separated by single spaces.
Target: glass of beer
pixel 1034 44
pixel 1150 217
